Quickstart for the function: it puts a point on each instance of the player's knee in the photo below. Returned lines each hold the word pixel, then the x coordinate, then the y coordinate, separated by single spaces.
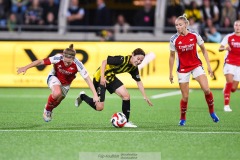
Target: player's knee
pixel 233 89
pixel 126 97
pixel 185 98
pixel 100 107
pixel 206 91
pixel 57 95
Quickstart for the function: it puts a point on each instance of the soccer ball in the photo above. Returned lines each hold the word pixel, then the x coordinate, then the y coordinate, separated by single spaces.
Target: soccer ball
pixel 118 120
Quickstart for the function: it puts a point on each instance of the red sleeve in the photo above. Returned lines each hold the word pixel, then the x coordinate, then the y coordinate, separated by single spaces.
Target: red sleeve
pixel 47 61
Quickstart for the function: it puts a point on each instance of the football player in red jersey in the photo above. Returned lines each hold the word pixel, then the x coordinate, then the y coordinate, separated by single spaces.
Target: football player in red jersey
pixel 184 43
pixel 231 43
pixel 65 68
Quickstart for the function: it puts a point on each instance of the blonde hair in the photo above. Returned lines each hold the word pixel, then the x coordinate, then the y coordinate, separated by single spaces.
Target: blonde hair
pixel 237 21
pixel 184 18
pixel 70 50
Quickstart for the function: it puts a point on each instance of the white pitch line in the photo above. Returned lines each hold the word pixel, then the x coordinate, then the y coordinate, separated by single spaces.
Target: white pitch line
pixel 167 94
pixel 73 96
pixel 68 96
pixel 121 131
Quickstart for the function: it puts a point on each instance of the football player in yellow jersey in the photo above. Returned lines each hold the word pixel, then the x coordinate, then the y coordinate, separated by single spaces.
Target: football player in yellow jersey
pixel 105 78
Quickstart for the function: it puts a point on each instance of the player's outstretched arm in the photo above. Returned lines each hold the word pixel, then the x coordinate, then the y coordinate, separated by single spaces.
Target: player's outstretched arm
pixel 33 64
pixel 91 86
pixel 205 54
pixel 141 88
pixel 171 62
pixel 222 48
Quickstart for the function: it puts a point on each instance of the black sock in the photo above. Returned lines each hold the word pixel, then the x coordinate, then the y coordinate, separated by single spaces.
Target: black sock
pixel 88 100
pixel 126 108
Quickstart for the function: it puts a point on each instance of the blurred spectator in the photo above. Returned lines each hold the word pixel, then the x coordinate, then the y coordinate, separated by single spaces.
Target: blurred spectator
pixel 4 11
pixel 228 11
pixel 50 6
pixel 56 2
pixel 235 3
pixel 187 3
pixel 209 23
pixel 12 22
pixel 121 26
pixel 192 11
pixel 102 15
pixel 205 28
pixel 51 22
pixel 226 27
pixel 238 11
pixel 219 5
pixel 174 10
pixel 3 16
pixel 213 35
pixel 75 15
pixel 19 7
pixel 227 23
pixel 107 35
pixel 145 16
pixel 193 25
pixel 34 15
pixel 211 11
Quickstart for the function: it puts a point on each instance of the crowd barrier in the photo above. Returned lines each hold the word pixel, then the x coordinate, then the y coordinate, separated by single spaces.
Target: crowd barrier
pixel 154 75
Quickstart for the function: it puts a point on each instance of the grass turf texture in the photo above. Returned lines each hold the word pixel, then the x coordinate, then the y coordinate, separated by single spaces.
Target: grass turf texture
pixel 24 134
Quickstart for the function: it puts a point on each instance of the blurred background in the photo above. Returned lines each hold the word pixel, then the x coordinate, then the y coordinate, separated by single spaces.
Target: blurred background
pixel 36 29
pixel 112 20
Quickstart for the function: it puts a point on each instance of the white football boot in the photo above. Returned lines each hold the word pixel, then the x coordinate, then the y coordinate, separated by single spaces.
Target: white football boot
pixel 78 100
pixel 47 115
pixel 130 125
pixel 227 108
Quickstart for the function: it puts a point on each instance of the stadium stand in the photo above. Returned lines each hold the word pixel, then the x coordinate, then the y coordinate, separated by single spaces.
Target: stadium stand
pixel 148 20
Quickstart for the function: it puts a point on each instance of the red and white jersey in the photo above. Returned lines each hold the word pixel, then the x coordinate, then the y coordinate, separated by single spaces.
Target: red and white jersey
pixel 233 56
pixel 65 74
pixel 186 48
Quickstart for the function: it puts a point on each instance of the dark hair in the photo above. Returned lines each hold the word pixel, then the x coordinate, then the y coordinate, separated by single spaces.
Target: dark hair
pixel 138 51
pixel 70 50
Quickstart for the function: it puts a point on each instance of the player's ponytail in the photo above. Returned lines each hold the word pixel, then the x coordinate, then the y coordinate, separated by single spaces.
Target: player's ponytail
pixel 71 46
pixel 184 18
pixel 70 50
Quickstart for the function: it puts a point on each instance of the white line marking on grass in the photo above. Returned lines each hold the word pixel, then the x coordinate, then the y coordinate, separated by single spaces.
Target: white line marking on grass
pixel 122 131
pixel 167 94
pixel 46 96
pixel 107 96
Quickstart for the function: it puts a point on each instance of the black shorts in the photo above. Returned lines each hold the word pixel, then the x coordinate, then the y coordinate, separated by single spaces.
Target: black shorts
pixel 111 87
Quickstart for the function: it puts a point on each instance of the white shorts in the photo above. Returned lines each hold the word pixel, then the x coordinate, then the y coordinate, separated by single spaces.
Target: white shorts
pixel 184 77
pixel 53 80
pixel 232 69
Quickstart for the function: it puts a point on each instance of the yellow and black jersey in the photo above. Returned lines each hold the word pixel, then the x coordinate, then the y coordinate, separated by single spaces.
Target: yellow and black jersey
pixel 116 65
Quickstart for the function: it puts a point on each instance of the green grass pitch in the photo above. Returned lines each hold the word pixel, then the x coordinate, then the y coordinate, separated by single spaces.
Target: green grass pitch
pixel 24 135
